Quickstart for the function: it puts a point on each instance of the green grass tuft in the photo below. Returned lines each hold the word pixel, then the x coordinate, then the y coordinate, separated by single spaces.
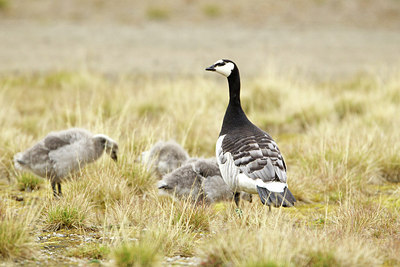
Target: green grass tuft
pixel 65 218
pixel 70 212
pixel 29 182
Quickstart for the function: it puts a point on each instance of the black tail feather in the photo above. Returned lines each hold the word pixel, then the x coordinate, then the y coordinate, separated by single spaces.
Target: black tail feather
pixel 289 196
pixel 276 199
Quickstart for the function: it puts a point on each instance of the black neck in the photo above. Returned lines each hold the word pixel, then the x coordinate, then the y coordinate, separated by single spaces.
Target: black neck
pixel 234 115
pixel 234 87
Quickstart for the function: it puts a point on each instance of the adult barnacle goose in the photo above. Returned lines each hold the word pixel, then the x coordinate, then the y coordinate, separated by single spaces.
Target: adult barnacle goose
pixel 249 159
pixel 62 153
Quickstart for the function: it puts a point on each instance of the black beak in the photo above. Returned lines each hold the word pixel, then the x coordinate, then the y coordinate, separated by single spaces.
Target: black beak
pixel 164 186
pixel 114 157
pixel 211 68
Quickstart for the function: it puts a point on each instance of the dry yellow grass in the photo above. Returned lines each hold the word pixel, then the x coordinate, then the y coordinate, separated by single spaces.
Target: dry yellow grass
pixel 16 225
pixel 340 141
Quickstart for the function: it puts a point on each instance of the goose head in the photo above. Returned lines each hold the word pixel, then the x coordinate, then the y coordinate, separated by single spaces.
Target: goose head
pixel 107 144
pixel 224 67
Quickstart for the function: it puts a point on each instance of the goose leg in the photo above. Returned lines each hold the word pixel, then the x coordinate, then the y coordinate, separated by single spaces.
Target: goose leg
pixel 53 186
pixel 59 189
pixel 237 198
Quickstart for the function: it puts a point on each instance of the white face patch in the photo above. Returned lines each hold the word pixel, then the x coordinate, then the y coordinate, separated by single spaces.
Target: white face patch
pixel 226 69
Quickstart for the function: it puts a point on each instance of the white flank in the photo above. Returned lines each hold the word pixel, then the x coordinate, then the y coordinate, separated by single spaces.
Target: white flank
pixel 229 171
pixel 247 184
pixel 218 148
pixel 274 186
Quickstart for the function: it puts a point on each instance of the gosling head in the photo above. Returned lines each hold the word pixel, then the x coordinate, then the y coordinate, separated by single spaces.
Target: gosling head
pixel 107 144
pixel 224 67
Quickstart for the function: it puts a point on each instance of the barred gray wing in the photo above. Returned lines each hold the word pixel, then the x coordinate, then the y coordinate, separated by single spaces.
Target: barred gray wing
pixel 256 155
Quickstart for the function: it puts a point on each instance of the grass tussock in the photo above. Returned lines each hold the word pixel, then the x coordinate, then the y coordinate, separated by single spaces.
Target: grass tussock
pixel 192 217
pixel 68 213
pixel 139 179
pixel 368 220
pixel 281 241
pixel 15 231
pixel 29 182
pixel 339 140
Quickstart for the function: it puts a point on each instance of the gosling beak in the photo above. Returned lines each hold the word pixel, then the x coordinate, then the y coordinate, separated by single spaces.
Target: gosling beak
pixel 165 187
pixel 211 68
pixel 114 157
pixel 162 185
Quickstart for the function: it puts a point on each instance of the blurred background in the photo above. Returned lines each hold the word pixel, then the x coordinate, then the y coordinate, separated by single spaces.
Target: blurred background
pixel 324 38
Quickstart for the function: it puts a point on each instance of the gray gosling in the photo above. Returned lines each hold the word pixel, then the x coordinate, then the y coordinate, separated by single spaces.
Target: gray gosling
pixel 164 157
pixel 199 180
pixel 62 153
